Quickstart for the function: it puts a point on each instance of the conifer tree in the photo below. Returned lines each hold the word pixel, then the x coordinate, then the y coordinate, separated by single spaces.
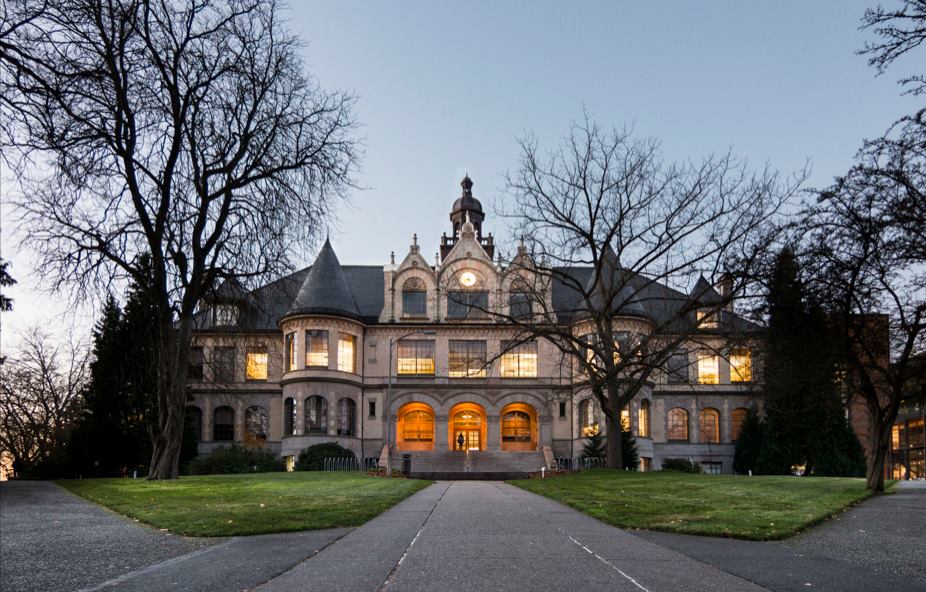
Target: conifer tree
pixel 749 443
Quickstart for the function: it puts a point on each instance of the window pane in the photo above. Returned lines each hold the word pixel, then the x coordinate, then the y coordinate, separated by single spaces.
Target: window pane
pixel 710 426
pixel 414 303
pixel 223 364
pixel 316 414
pixel 678 424
pixel 316 349
pixel 519 361
pixel 347 410
pixel 415 357
pixel 739 416
pixel 290 346
pixel 418 426
pixel 707 319
pixel 467 305
pixel 256 365
pixel 677 370
pixel 519 305
pixel 625 419
pixel 516 427
pixel 588 418
pixel 708 369
pixel 467 359
pixel 741 365
pixel 643 419
pixel 346 353
pixel 289 417
pixel 223 424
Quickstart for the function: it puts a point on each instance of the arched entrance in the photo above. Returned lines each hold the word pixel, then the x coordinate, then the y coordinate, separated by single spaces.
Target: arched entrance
pixel 415 427
pixel 469 421
pixel 519 427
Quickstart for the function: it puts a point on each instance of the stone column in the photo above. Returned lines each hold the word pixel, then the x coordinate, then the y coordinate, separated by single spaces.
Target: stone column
pixel 239 420
pixel 299 403
pixel 208 410
pixel 440 433
pixel 494 435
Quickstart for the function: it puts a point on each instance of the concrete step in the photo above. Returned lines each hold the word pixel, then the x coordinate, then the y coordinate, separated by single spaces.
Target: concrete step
pixel 488 476
pixel 479 462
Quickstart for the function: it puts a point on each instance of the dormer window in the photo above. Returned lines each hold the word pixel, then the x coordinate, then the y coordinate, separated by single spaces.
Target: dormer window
pixel 707 318
pixel 519 306
pixel 226 315
pixel 414 298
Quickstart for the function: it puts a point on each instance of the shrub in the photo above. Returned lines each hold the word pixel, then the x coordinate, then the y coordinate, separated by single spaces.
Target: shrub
pixel 313 457
pixel 235 459
pixel 682 465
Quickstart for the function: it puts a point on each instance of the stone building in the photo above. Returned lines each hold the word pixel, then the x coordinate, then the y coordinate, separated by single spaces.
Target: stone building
pixel 406 353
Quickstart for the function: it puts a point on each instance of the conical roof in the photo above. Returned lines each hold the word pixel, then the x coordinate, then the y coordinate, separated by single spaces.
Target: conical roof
pixel 325 289
pixel 704 293
pixel 613 275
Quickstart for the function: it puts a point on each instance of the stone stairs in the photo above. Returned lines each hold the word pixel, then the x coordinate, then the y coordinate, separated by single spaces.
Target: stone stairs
pixel 481 465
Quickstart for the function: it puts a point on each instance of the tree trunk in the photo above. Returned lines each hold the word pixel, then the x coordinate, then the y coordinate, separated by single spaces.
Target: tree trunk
pixel 612 411
pixel 173 355
pixel 879 444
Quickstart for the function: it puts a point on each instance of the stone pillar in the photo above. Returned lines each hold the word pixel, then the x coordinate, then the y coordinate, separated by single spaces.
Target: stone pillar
pixel 208 414
pixel 494 435
pixel 299 402
pixel 239 420
pixel 440 433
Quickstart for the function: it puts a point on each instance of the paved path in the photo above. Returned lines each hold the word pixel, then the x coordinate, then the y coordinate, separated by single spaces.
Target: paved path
pixel 477 536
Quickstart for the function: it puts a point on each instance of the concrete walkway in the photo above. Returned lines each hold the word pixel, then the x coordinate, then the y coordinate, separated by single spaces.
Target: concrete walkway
pixel 474 536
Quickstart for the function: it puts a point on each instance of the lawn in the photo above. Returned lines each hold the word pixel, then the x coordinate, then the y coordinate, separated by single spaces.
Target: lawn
pixel 756 508
pixel 223 505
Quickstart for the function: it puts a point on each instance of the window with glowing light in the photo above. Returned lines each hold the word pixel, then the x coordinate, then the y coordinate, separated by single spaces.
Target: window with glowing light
pixel 625 419
pixel 467 358
pixel 708 369
pixel 316 348
pixel 256 364
pixel 741 365
pixel 418 426
pixel 347 352
pixel 588 418
pixel 709 426
pixel 643 419
pixel 516 427
pixel 520 360
pixel 707 319
pixel 678 425
pixel 415 357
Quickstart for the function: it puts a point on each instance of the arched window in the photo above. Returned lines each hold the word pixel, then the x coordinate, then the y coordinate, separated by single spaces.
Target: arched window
pixel 347 411
pixel 588 418
pixel 255 422
pixel 414 298
pixel 289 416
pixel 223 424
pixel 678 424
pixel 643 419
pixel 739 416
pixel 316 415
pixel 194 419
pixel 709 425
pixel 519 305
pixel 516 427
pixel 418 426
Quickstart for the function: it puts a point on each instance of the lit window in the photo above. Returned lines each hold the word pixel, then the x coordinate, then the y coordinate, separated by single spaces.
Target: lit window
pixel 516 427
pixel 643 419
pixel 255 423
pixel 519 361
pixel 895 437
pixel 467 358
pixel 741 365
pixel 414 298
pixel 678 424
pixel 290 347
pixel 738 417
pixel 677 368
pixel 256 365
pixel 347 361
pixel 710 426
pixel 316 349
pixel 467 305
pixel 226 315
pixel 415 356
pixel 707 319
pixel 708 369
pixel 646 464
pixel 625 419
pixel 588 418
pixel 418 426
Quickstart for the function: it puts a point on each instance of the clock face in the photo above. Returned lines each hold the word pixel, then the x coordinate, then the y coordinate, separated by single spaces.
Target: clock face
pixel 467 279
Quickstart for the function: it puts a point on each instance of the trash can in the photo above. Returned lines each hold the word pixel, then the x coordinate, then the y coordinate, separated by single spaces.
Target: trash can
pixel 406 464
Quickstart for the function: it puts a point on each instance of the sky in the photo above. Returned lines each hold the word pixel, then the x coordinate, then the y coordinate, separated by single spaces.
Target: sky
pixel 448 88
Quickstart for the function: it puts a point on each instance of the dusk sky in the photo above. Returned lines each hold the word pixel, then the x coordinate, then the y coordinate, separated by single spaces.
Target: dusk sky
pixel 445 88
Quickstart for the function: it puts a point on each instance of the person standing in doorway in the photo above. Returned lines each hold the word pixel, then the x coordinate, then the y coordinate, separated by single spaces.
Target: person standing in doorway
pixel 460 440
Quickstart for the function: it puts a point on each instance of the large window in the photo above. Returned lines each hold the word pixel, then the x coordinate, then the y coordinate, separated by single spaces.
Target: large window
pixel 255 367
pixel 316 415
pixel 290 346
pixel 415 357
pixel 316 349
pixel 678 424
pixel 741 365
pixel 709 426
pixel 418 426
pixel 223 424
pixel 223 364
pixel 519 306
pixel 516 427
pixel 195 364
pixel 347 352
pixel 708 369
pixel 519 360
pixel 347 413
pixel 467 358
pixel 467 305
pixel 738 417
pixel 677 368
pixel 643 419
pixel 255 423
pixel 414 298
pixel 588 418
pixel 289 416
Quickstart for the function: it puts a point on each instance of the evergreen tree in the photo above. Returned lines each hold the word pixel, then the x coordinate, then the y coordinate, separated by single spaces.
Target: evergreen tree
pixel 629 450
pixel 594 446
pixel 749 443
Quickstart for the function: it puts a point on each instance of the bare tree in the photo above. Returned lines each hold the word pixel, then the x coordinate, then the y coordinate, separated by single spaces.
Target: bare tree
pixel 188 130
pixel 40 392
pixel 618 236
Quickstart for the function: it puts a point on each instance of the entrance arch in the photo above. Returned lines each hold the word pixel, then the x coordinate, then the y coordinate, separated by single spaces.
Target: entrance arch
pixel 519 427
pixel 468 420
pixel 415 427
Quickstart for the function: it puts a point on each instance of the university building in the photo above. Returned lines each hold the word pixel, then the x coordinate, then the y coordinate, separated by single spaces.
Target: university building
pixel 406 355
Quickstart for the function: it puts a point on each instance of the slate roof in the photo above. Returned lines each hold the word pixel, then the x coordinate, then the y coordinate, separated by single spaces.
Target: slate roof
pixel 325 289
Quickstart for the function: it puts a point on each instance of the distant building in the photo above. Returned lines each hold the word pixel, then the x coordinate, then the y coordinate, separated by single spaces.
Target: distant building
pixel 307 359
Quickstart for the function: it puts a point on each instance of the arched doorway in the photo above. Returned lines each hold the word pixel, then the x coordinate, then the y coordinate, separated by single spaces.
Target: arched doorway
pixel 469 421
pixel 519 427
pixel 415 427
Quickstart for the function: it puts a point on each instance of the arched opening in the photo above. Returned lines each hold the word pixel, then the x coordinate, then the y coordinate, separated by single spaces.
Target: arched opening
pixel 347 412
pixel 223 424
pixel 414 298
pixel 467 427
pixel 677 425
pixel 519 427
pixel 709 426
pixel 255 424
pixel 415 427
pixel 289 416
pixel 316 415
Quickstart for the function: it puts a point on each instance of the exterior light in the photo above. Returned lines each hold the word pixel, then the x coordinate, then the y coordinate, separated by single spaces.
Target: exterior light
pixel 467 279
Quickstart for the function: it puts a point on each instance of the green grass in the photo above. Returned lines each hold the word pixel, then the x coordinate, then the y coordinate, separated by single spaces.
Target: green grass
pixel 224 505
pixel 756 508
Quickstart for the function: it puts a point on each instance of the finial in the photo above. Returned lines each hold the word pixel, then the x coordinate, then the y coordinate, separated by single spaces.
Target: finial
pixel 415 239
pixel 436 258
pixel 467 185
pixel 392 257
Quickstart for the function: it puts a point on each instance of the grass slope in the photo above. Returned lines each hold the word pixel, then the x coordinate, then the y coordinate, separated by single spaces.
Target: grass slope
pixel 755 508
pixel 223 505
